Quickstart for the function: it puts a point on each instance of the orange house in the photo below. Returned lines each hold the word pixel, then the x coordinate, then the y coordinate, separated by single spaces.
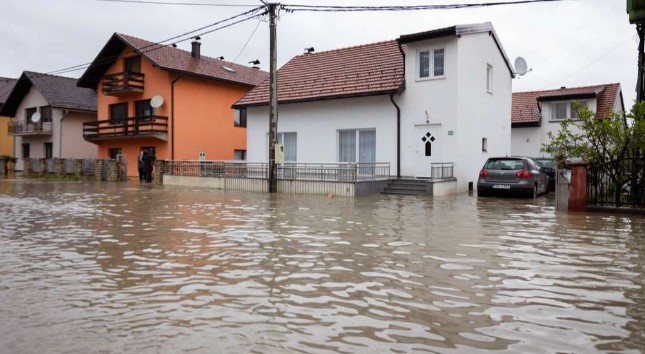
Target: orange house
pixel 172 102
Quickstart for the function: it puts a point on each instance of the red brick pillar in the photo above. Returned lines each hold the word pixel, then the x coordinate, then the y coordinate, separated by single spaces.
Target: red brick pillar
pixel 578 187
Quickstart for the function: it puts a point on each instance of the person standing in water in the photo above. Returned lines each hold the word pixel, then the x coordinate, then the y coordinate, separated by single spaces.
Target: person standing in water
pixel 140 166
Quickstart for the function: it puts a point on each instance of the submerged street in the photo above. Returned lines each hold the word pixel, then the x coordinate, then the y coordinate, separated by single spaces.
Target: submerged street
pixel 127 268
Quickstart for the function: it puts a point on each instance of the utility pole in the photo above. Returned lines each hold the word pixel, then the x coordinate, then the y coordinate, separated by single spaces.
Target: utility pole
pixel 273 97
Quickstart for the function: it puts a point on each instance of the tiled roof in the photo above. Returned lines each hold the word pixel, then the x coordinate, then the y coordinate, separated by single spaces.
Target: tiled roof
pixel 6 85
pixel 370 69
pixel 171 58
pixel 62 92
pixel 525 104
pixel 59 91
pixel 168 58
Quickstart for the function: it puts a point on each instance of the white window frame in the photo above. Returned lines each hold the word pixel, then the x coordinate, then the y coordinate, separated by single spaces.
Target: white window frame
pixel 569 109
pixel 280 140
pixel 431 52
pixel 358 142
pixel 489 78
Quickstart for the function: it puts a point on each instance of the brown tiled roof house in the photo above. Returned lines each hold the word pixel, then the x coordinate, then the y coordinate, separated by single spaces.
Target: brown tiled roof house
pixel 337 73
pixel 527 105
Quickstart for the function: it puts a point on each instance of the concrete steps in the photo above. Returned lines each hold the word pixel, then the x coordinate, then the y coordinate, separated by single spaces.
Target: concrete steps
pixel 407 187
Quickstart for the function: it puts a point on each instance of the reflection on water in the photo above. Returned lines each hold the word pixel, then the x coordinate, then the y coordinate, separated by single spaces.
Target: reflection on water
pixel 88 267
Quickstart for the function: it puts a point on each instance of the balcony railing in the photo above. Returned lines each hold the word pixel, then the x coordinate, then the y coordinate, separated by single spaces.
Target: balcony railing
pixel 138 127
pixel 324 172
pixel 22 128
pixel 123 82
pixel 443 170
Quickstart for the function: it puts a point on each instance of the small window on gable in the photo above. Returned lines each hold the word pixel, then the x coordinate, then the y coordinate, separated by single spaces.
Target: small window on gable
pixel 431 63
pixel 132 64
pixel 489 78
pixel 29 112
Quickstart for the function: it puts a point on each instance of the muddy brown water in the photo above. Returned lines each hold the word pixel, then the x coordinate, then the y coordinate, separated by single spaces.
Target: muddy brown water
pixel 124 268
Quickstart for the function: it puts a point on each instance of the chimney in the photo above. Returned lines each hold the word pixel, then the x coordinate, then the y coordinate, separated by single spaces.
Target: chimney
pixel 195 51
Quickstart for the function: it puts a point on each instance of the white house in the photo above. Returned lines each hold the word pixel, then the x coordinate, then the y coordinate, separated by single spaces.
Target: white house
pixel 536 113
pixel 48 113
pixel 433 97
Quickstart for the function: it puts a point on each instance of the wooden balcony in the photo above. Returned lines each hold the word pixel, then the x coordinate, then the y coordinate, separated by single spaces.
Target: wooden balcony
pixel 23 128
pixel 155 127
pixel 122 83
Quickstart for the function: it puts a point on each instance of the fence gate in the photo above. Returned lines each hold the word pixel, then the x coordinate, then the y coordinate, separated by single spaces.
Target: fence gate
pixel 618 185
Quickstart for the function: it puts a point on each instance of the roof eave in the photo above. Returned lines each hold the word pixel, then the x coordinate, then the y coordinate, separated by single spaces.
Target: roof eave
pixel 208 77
pixel 323 98
pixel 565 97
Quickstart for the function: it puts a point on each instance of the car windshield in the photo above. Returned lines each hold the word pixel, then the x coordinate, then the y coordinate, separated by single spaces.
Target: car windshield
pixel 504 164
pixel 546 163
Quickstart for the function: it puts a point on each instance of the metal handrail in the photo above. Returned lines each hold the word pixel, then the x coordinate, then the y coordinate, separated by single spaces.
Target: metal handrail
pixel 136 126
pixel 442 170
pixel 294 171
pixel 17 128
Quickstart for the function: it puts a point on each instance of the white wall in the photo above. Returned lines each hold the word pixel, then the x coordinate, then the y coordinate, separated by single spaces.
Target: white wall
pixel 481 114
pixel 73 145
pixel 317 125
pixel 528 141
pixel 437 97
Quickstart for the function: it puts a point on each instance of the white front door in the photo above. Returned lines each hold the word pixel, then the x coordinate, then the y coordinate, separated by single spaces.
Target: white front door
pixel 427 140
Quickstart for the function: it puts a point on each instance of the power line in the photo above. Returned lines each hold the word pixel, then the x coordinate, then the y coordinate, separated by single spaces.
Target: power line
pixel 603 56
pixel 247 41
pixel 177 3
pixel 159 45
pixel 329 8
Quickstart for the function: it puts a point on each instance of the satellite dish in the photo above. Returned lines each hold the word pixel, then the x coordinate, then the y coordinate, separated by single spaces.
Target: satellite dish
pixel 520 66
pixel 156 101
pixel 35 118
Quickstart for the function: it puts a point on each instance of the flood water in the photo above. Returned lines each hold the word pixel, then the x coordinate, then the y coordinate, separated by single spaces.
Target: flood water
pixel 123 268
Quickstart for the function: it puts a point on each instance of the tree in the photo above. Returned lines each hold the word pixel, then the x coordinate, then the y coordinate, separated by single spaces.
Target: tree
pixel 613 145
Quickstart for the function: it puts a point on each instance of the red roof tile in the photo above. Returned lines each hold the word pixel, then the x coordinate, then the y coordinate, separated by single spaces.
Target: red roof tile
pixel 168 58
pixel 171 58
pixel 370 69
pixel 525 104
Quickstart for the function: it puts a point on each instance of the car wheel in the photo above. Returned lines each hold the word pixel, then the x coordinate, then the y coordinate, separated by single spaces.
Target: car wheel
pixel 480 193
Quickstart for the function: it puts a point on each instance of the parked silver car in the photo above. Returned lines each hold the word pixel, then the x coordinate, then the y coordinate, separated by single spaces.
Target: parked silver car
pixel 512 176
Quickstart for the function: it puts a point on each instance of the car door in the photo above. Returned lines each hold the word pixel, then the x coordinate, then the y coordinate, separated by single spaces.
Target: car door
pixel 540 176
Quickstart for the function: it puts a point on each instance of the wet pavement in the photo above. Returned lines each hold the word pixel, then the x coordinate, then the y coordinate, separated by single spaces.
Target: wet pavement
pixel 126 268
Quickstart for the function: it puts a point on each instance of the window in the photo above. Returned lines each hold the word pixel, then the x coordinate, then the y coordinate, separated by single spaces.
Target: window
pixel 118 113
pixel 46 113
pixel 25 151
pixel 132 64
pixel 202 156
pixel 357 145
pixel 143 110
pixel 484 144
pixel 489 78
pixel 290 142
pixel 568 109
pixel 560 110
pixel 49 150
pixel 30 112
pixel 114 153
pixel 240 118
pixel 240 155
pixel 432 63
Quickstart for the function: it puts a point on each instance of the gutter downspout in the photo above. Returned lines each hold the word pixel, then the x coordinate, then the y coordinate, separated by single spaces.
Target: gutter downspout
pixel 398 136
pixel 172 116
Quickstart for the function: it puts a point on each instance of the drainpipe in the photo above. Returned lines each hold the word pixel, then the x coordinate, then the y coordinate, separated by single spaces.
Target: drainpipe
pixel 398 136
pixel 172 116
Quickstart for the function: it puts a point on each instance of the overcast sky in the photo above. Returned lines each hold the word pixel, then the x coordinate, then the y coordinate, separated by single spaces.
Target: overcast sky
pixel 568 43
